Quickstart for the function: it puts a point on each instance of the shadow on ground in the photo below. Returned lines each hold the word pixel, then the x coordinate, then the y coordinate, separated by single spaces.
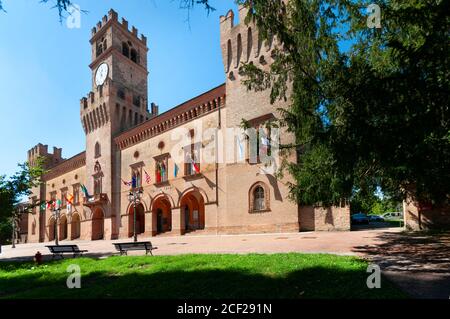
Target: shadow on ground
pixel 148 280
pixel 417 262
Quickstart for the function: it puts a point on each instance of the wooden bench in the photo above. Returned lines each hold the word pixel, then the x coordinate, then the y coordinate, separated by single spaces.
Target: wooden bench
pixel 123 248
pixel 60 250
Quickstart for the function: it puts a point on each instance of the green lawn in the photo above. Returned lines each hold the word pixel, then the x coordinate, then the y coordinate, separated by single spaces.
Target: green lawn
pixel 197 276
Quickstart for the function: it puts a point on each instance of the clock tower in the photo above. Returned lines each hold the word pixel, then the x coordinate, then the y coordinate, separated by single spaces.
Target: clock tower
pixel 117 102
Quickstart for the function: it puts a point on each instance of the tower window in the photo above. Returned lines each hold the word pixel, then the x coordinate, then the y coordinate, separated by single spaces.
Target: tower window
pixel 137 100
pixel 134 56
pixel 259 198
pixel 98 151
pixel 125 50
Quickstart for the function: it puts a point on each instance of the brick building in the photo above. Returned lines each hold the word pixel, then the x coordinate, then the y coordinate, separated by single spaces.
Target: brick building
pixel 163 155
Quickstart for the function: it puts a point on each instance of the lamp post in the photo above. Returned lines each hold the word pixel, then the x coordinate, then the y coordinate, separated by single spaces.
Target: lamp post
pixel 56 212
pixel 133 197
pixel 14 232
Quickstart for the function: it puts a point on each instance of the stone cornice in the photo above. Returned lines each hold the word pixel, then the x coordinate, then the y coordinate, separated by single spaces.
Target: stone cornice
pixel 197 107
pixel 68 165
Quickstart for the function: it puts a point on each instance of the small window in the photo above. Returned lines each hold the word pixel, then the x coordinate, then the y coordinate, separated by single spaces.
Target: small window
pixel 259 198
pixel 134 56
pixel 161 171
pixel 121 94
pixel 191 160
pixel 98 151
pixel 76 194
pixel 125 50
pixel 136 180
pixel 137 100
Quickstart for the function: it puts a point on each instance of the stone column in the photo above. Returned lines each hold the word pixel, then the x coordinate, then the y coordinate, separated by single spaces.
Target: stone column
pixel 177 222
pixel 149 224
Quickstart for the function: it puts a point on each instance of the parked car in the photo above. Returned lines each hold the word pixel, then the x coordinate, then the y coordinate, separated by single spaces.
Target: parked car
pixel 392 215
pixel 359 218
pixel 376 218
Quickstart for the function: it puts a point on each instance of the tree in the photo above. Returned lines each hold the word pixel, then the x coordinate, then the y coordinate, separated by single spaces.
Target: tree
pixel 374 115
pixel 12 191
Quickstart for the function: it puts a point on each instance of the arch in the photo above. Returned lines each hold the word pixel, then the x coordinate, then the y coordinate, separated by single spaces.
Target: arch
pixel 63 227
pixel 258 198
pixel 125 49
pixel 239 50
pixel 98 224
pixel 162 214
pixel 249 43
pixel 140 219
pixel 193 189
pixel 75 226
pixel 192 206
pixel 229 55
pixel 98 150
pixel 51 229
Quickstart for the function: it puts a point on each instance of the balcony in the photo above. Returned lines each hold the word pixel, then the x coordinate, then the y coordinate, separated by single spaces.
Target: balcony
pixel 95 200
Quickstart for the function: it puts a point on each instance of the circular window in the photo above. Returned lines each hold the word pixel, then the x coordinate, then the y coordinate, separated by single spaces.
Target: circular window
pixel 161 145
pixel 63 181
pixel 136 154
pixel 76 176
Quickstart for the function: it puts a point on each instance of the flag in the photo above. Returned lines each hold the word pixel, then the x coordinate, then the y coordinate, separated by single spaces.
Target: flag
pixel 264 145
pixel 126 183
pixel 49 205
pixel 175 171
pixel 196 168
pixel 85 191
pixel 133 182
pixel 240 149
pixel 163 172
pixel 147 177
pixel 58 204
pixel 69 200
pixel 43 206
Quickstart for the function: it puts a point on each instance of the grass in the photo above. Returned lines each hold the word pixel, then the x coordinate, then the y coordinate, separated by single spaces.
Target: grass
pixel 197 276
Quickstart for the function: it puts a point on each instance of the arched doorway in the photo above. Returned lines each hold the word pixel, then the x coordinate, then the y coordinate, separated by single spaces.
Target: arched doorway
pixel 75 226
pixel 63 227
pixel 162 215
pixel 192 211
pixel 98 221
pixel 51 229
pixel 140 220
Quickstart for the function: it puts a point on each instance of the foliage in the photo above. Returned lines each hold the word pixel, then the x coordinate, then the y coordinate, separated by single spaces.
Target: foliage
pixel 12 191
pixel 374 115
pixel 197 277
pixel 61 5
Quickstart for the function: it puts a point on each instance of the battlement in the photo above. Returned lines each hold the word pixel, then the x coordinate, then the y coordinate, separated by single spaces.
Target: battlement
pixel 40 150
pixel 113 17
pixel 242 43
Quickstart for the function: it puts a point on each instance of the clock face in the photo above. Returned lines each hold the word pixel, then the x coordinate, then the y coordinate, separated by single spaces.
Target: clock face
pixel 102 74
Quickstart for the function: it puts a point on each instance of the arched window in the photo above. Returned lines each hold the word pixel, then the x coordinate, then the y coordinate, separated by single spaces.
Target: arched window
pixel 125 50
pixel 259 198
pixel 229 55
pixel 134 56
pixel 239 50
pixel 98 151
pixel 99 49
pixel 249 43
pixel 105 45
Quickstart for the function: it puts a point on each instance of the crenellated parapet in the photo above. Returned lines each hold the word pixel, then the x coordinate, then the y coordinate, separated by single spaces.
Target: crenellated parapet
pixel 41 151
pixel 113 17
pixel 242 43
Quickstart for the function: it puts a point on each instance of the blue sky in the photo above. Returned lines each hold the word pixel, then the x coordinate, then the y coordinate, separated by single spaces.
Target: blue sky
pixel 44 66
